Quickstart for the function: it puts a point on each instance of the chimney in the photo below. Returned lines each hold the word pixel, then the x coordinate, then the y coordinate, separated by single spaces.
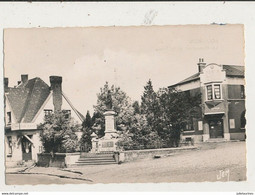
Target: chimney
pixel 201 64
pixel 56 87
pixel 6 83
pixel 24 78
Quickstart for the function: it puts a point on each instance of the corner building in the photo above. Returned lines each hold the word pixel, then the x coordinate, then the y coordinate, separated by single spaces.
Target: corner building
pixel 222 89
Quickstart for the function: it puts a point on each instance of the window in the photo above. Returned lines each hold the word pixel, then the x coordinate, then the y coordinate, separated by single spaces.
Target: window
pixel 189 125
pixel 67 113
pixel 47 112
pixel 243 120
pixel 213 92
pixel 9 140
pixel 217 92
pixel 9 117
pixel 242 92
pixel 209 92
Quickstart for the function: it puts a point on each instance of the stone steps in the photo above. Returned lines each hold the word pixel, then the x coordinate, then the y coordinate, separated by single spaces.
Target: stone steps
pixel 92 155
pixel 96 159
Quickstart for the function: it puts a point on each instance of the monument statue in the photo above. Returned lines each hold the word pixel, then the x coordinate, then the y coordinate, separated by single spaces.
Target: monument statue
pixel 107 143
pixel 109 100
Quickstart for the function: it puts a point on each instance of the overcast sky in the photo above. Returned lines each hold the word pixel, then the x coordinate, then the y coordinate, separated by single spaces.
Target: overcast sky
pixel 125 56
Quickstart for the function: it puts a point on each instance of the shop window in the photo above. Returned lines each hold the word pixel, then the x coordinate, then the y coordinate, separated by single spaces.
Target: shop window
pixel 9 117
pixel 214 92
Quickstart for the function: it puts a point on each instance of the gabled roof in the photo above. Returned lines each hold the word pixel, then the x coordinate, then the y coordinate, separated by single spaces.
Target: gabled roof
pixel 27 99
pixel 194 77
pixel 234 71
pixel 231 71
pixel 80 116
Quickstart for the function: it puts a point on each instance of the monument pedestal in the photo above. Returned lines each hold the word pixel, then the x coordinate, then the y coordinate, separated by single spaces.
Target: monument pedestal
pixel 108 143
pixel 94 140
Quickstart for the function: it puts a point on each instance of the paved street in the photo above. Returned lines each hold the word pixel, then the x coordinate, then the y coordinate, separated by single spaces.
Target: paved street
pixel 211 162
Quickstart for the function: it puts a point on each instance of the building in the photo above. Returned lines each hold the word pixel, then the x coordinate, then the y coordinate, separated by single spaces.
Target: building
pixel 25 107
pixel 222 102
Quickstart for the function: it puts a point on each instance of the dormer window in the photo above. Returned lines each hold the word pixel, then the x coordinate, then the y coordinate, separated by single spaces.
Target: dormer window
pixel 214 92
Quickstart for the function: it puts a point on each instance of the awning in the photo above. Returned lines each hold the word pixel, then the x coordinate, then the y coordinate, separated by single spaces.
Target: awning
pixel 28 138
pixel 23 126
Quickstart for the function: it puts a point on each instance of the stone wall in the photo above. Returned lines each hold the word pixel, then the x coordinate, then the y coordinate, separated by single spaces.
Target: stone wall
pixel 58 160
pixel 131 155
pixel 71 158
pixel 47 160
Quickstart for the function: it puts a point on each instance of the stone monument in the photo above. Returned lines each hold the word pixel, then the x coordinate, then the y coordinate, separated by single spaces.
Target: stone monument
pixel 108 143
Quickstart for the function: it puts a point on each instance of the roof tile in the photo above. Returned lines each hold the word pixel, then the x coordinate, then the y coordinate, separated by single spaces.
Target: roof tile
pixel 27 99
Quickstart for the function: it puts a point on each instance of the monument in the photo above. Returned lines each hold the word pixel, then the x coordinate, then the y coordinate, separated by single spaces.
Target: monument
pixel 108 143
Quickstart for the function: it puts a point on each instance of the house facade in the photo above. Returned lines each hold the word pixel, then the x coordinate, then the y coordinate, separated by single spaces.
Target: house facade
pixel 25 107
pixel 222 89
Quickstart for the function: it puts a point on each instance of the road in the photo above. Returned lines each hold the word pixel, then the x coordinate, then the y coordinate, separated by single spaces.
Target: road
pixel 211 162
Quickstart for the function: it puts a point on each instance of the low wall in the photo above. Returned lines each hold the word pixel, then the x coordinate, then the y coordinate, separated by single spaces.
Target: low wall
pixel 131 155
pixel 237 136
pixel 71 158
pixel 57 160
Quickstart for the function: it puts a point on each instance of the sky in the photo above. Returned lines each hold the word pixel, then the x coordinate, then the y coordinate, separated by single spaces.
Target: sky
pixel 87 57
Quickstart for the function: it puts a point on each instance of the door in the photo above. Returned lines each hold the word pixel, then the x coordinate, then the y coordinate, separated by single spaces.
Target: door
pixel 216 128
pixel 26 149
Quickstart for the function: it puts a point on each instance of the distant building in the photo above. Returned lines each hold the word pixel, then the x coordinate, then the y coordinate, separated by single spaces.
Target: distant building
pixel 223 102
pixel 25 107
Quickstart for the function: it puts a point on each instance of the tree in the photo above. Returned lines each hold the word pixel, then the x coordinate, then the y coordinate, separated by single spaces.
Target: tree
pixel 87 123
pixel 149 104
pixel 58 133
pixel 85 141
pixel 120 103
pixel 136 107
pixel 176 110
pixel 142 135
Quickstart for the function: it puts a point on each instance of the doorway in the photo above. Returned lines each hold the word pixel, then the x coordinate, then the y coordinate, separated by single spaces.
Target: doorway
pixel 26 148
pixel 216 128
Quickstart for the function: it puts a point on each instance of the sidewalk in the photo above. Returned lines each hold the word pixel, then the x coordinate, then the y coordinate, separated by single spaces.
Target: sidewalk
pixel 48 171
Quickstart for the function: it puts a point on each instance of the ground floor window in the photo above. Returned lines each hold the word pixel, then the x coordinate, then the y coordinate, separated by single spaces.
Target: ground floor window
pixel 189 125
pixel 9 140
pixel 243 120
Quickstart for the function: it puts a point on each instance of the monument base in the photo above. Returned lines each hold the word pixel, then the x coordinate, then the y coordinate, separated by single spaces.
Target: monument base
pixel 104 145
pixel 108 143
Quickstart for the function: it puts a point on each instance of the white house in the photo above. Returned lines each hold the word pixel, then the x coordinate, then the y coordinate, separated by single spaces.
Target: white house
pixel 25 107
